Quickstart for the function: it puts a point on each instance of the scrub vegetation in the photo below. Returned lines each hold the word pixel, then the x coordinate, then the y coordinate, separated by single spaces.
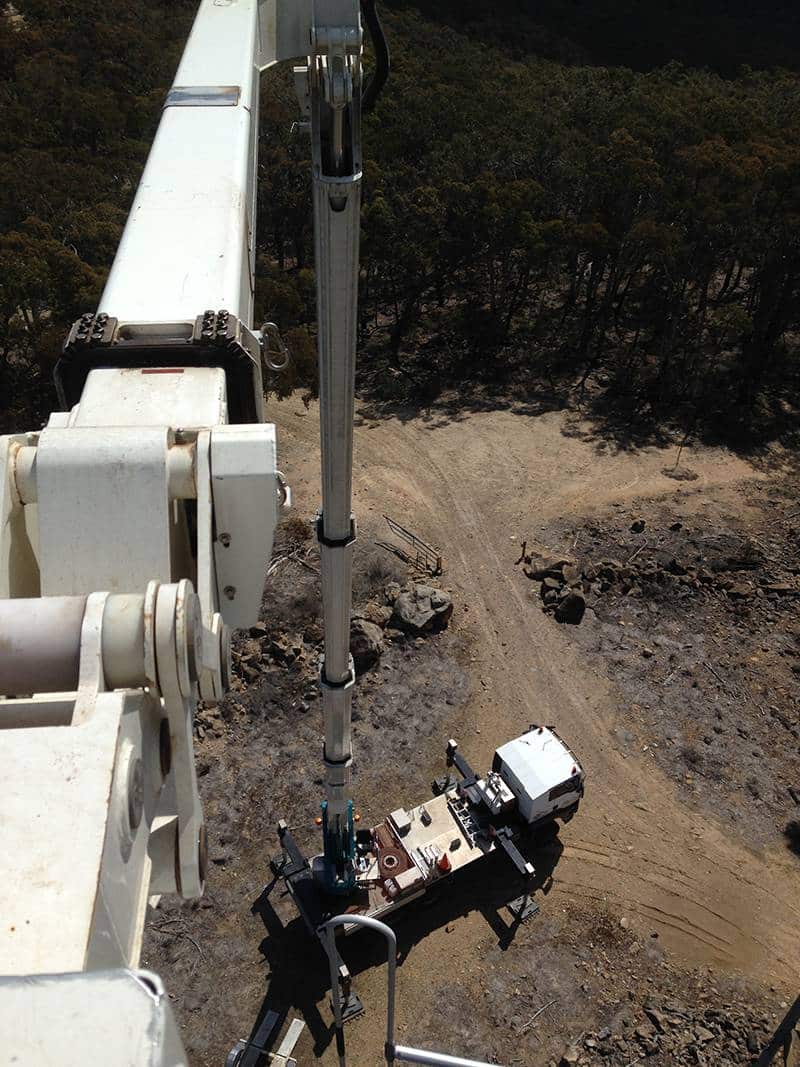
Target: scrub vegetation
pixel 589 205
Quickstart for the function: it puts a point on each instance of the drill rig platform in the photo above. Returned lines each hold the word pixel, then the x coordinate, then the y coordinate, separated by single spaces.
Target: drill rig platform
pixel 535 781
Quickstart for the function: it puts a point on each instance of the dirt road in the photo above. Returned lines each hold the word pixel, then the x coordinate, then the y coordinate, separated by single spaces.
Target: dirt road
pixel 475 487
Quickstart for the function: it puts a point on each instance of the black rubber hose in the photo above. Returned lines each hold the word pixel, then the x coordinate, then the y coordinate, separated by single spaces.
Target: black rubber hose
pixel 372 89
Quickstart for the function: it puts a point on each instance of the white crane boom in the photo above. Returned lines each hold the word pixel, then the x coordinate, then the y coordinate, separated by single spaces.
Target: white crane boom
pixel 190 236
pixel 135 529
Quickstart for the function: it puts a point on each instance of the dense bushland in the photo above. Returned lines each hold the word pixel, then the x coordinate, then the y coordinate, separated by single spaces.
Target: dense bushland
pixel 533 225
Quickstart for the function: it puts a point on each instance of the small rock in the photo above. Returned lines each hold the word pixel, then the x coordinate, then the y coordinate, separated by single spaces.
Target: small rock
pixel 571 1056
pixel 703 1034
pixel 781 589
pixel 379 614
pixel 658 1018
pixel 794 793
pixel 572 573
pixel 249 672
pixel 675 1007
pixel 740 591
pixel 648 653
pixel 571 609
pixel 391 591
pixel 624 923
pixel 637 526
pixel 675 526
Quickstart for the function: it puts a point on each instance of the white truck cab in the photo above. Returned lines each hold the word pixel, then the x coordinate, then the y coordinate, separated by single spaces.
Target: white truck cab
pixel 543 774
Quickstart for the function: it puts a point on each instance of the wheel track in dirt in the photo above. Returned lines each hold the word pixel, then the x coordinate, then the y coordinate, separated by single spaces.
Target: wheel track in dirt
pixel 710 899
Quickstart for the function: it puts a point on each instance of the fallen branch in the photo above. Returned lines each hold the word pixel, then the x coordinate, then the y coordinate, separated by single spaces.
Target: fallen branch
pixel 716 674
pixel 302 562
pixel 275 564
pixel 536 1015
pixel 179 933
pixel 638 550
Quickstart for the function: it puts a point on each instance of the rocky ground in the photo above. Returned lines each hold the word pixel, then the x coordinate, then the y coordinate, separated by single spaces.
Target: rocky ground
pixel 672 892
pixel 606 995
pixel 698 616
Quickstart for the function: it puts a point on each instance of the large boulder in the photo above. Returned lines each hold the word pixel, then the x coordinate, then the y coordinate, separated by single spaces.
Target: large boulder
pixel 421 608
pixel 366 644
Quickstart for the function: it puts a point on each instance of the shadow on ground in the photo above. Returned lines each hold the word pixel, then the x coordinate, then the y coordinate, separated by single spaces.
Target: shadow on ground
pixel 602 415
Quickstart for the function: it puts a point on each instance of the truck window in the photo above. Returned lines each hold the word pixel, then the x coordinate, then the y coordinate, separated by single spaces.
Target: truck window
pixel 571 785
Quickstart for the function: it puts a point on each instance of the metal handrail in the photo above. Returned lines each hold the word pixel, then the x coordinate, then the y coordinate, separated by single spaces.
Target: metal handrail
pixel 393 1052
pixel 428 558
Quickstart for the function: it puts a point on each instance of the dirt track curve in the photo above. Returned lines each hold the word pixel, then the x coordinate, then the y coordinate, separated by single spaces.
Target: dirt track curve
pixel 636 848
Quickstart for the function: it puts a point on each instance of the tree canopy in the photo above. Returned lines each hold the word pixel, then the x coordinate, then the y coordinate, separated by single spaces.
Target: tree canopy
pixel 538 219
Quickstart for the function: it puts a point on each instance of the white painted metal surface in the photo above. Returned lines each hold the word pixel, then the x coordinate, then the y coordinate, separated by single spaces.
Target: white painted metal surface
pixel 41 644
pixel 52 841
pixel 245 494
pixel 94 776
pixel 186 398
pixel 102 805
pixel 496 794
pixel 19 569
pixel 188 244
pixel 535 764
pixel 98 491
pixel 437 835
pixel 115 1018
pixel 334 103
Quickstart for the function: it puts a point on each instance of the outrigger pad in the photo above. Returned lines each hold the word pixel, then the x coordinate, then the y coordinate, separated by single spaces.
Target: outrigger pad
pixel 523 908
pixel 351 1007
pixel 443 784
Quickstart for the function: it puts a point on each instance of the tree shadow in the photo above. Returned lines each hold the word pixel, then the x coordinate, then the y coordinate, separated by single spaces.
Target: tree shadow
pixel 605 415
pixel 792 835
pixel 722 36
pixel 298 966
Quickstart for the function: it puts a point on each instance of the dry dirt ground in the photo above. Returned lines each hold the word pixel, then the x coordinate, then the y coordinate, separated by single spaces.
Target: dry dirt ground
pixel 660 887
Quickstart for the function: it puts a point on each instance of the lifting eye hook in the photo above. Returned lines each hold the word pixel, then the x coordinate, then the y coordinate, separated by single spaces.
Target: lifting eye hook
pixel 272 345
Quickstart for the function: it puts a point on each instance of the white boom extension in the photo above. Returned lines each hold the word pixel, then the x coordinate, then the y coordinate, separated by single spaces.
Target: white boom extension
pixel 333 90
